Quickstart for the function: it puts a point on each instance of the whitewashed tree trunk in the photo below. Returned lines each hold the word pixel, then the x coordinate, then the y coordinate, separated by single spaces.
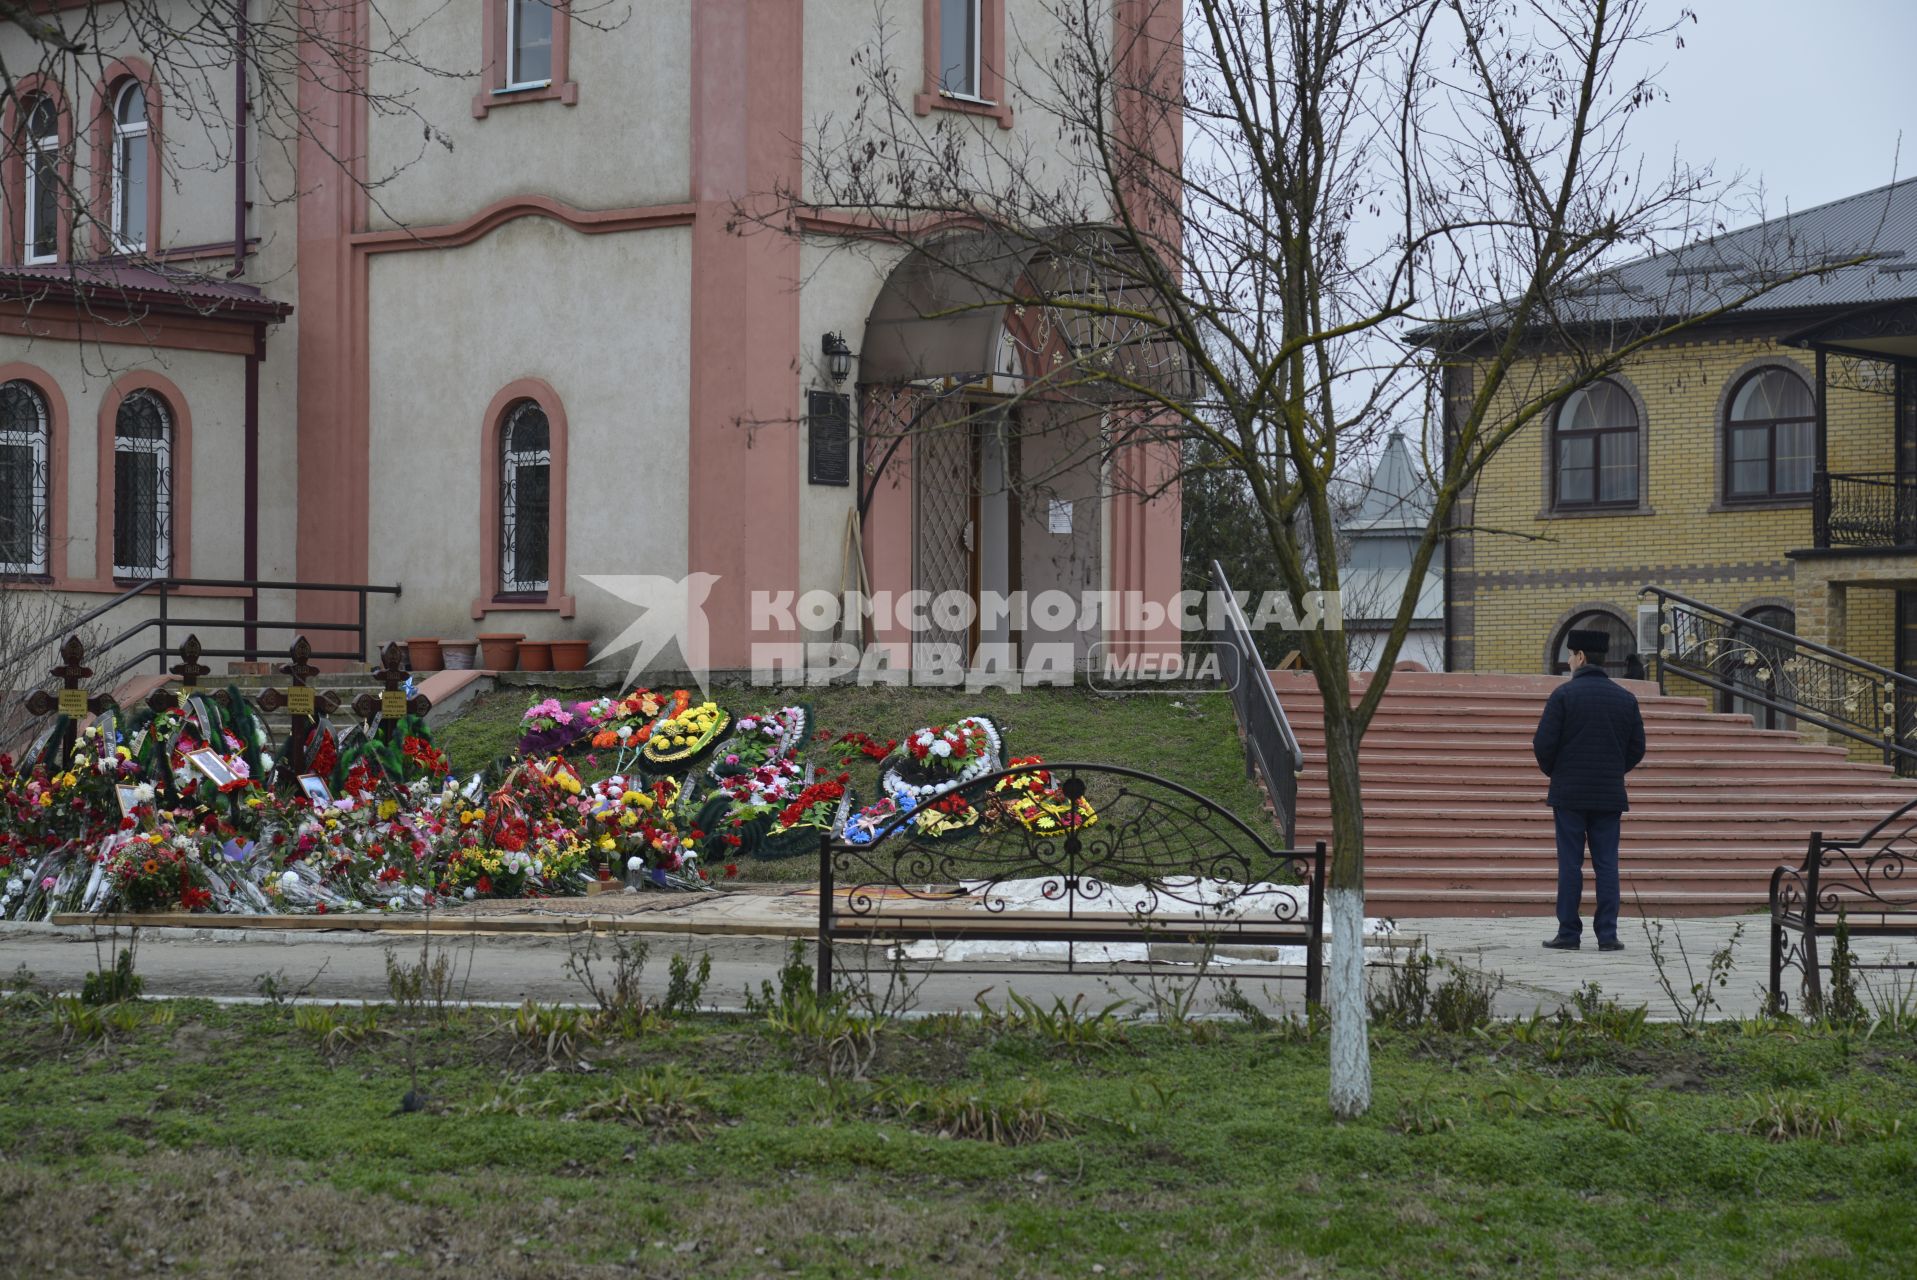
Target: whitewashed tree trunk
pixel 1345 996
pixel 1345 909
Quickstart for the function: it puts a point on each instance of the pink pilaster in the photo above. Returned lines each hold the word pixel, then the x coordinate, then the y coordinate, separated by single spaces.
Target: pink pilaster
pixel 743 484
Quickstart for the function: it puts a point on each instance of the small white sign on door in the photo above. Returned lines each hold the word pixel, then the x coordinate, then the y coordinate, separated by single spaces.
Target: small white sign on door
pixel 1061 521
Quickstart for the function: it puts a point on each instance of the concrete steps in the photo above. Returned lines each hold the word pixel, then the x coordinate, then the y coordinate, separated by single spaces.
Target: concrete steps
pixel 345 686
pixel 1456 823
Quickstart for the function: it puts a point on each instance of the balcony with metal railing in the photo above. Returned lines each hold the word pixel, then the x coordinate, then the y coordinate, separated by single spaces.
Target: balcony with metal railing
pixel 1874 510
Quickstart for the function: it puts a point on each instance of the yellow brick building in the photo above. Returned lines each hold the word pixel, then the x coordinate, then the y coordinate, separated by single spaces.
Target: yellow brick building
pixel 1764 465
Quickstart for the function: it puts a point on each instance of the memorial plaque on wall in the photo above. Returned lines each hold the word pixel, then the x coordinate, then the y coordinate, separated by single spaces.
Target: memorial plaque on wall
pixel 828 420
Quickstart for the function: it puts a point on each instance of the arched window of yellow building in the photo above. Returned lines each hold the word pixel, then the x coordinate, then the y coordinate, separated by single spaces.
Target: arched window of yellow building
pixel 1770 440
pixel 1595 449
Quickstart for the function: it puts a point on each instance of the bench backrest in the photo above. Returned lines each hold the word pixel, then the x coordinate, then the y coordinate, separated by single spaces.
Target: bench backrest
pixel 1876 872
pixel 1073 839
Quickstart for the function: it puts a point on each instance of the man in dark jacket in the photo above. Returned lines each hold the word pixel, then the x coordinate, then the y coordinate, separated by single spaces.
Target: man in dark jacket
pixel 1590 736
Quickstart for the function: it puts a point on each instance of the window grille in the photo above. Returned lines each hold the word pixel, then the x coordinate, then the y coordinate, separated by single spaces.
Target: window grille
pixel 143 487
pixel 23 479
pixel 525 500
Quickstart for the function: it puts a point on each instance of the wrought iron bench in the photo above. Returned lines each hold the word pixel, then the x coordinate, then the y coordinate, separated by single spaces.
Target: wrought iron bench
pixel 1127 859
pixel 1863 879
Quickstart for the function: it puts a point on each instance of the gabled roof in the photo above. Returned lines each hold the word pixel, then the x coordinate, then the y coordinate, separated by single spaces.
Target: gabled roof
pixel 1879 226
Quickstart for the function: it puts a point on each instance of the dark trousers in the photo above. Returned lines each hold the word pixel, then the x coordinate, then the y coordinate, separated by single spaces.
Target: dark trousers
pixel 1599 828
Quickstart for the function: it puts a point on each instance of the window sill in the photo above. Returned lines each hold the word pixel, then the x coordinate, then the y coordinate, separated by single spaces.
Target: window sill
pixel 564 606
pixel 562 91
pixel 1594 513
pixel 1761 504
pixel 926 103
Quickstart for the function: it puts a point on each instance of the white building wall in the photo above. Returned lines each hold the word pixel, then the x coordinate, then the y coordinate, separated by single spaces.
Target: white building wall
pixel 626 142
pixel 603 319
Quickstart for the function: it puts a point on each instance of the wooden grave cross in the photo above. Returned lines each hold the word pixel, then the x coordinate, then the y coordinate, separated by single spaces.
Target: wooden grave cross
pixel 189 670
pixel 391 704
pixel 305 703
pixel 72 701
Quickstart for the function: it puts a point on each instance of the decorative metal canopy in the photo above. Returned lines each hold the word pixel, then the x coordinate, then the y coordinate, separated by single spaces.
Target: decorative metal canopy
pixel 1881 331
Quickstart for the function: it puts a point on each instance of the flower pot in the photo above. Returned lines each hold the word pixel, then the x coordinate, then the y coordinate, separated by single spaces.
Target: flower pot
pixel 569 655
pixel 499 651
pixel 535 655
pixel 458 654
pixel 423 655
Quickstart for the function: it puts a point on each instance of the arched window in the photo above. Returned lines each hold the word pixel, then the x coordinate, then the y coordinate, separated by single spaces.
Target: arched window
pixel 1596 449
pixel 1770 437
pixel 142 487
pixel 1754 661
pixel 42 195
pixel 23 478
pixel 525 500
pixel 1618 661
pixel 130 176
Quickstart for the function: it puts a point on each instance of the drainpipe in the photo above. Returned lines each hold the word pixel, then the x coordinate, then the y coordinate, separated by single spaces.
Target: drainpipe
pixel 1446 391
pixel 241 111
pixel 250 533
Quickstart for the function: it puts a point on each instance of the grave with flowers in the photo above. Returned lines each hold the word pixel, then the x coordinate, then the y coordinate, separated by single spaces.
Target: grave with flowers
pixel 183 804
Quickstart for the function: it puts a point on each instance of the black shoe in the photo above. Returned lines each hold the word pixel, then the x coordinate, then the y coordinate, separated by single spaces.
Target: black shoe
pixel 1562 944
pixel 1612 945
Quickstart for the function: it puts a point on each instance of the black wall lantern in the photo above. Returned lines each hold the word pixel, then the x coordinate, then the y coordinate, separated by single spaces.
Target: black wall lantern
pixel 838 357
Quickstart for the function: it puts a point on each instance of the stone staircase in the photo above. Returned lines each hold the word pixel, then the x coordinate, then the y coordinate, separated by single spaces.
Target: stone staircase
pixel 1456 824
pixel 345 686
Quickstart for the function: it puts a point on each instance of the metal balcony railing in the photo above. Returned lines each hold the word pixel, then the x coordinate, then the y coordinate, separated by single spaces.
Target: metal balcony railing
pixel 1871 509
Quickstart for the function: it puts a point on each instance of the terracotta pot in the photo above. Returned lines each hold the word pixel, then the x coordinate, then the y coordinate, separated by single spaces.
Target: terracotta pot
pixel 458 654
pixel 535 655
pixel 570 655
pixel 499 650
pixel 423 655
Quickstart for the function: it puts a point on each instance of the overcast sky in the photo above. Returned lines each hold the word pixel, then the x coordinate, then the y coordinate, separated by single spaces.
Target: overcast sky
pixel 1808 96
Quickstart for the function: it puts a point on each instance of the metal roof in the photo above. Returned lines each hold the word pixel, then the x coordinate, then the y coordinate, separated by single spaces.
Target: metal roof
pixel 156 288
pixel 1879 226
pixel 1396 497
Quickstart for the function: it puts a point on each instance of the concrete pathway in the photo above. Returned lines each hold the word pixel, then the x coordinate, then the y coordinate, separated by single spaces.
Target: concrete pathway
pixel 748 936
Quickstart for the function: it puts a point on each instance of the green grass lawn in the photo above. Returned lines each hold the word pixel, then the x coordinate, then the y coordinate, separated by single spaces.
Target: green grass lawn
pixel 254 1141
pixel 1191 739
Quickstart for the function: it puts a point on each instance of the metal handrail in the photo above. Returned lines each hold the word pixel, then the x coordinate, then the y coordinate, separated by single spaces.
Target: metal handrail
pixel 1872 714
pixel 1241 630
pixel 1261 716
pixel 1794 641
pixel 164 623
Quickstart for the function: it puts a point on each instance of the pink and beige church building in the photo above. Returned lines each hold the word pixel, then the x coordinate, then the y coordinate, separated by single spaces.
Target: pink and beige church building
pixel 476 317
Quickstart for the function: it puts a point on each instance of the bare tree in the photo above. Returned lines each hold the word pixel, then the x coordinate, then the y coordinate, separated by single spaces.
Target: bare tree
pixel 1282 229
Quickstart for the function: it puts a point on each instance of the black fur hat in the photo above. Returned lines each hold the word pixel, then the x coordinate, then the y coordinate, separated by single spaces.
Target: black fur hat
pixel 1592 644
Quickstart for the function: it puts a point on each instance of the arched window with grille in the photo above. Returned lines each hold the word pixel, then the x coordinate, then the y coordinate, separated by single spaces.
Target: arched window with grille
pixel 1770 437
pixel 24 487
pixel 41 197
pixel 525 500
pixel 1594 459
pixel 130 168
pixel 143 487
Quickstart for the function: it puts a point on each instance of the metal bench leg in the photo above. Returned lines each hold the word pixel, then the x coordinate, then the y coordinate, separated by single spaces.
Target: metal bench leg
pixel 825 916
